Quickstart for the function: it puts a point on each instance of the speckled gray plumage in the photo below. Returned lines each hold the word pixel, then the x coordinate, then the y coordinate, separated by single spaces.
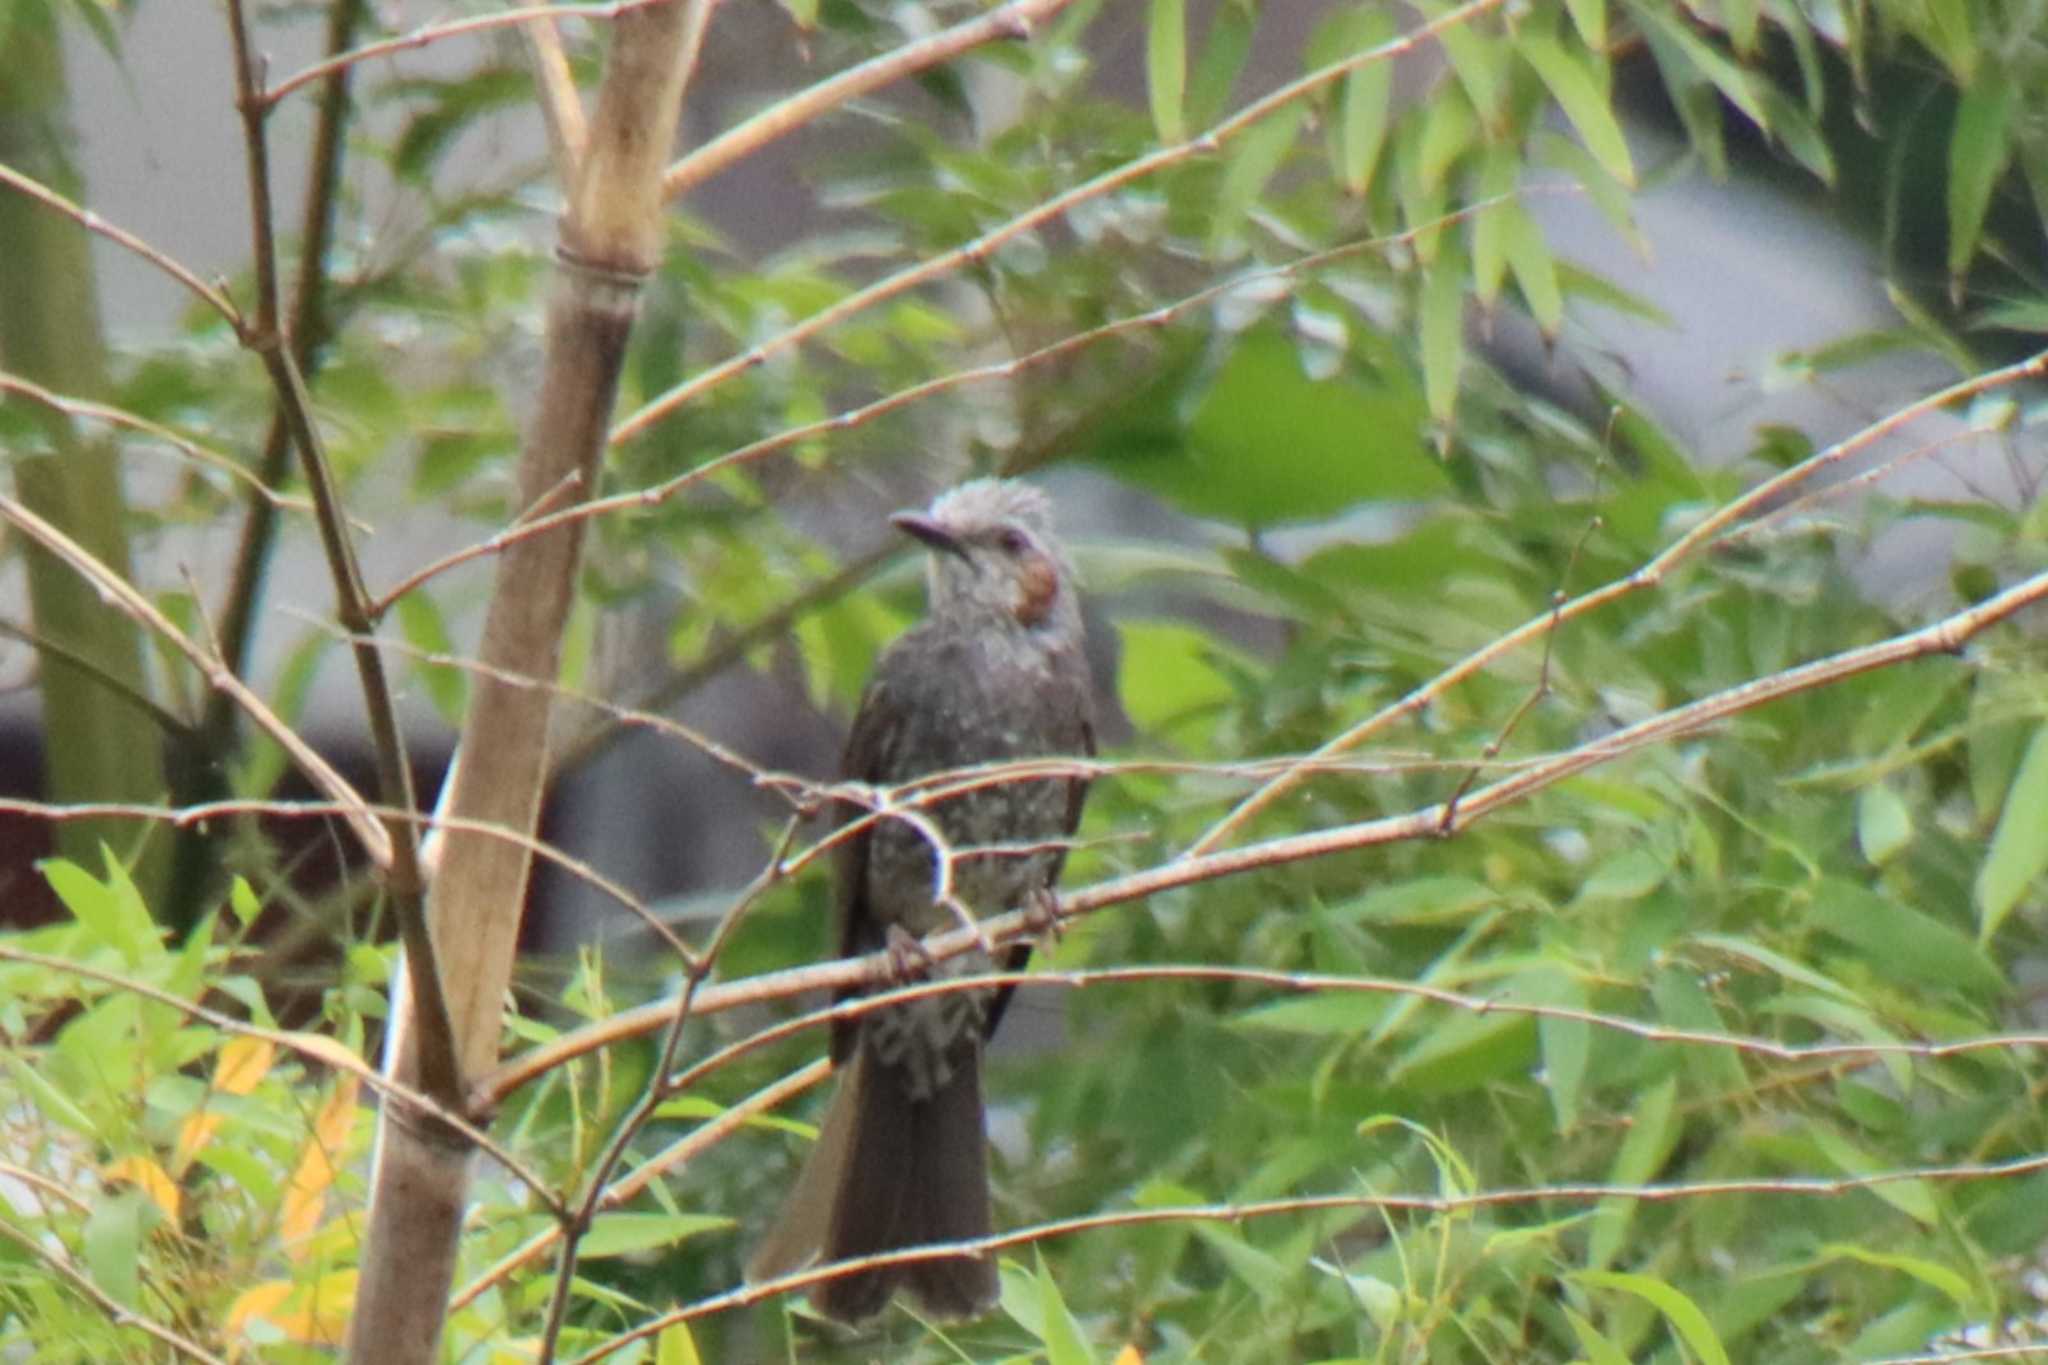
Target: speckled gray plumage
pixel 995 672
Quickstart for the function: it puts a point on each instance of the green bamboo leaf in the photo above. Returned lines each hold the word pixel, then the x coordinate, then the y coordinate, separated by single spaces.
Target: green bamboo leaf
pixel 1497 176
pixel 50 1102
pixel 142 940
pixel 1708 61
pixel 1599 1350
pixel 1644 1149
pixel 1913 1197
pixel 1479 59
pixel 1228 44
pixel 1449 128
pixel 1589 17
pixel 1628 875
pixel 1678 1309
pixel 1567 1044
pixel 1584 284
pixel 1798 134
pixel 421 623
pixel 1166 68
pixel 1261 1272
pixel 2019 846
pixel 1609 195
pixel 1739 17
pixel 1426 900
pixel 1932 1274
pixel 1065 1342
pixel 1258 155
pixel 1833 1016
pixel 113 1245
pixel 1904 944
pixel 1883 824
pixel 1340 1014
pixel 243 901
pixel 1583 95
pixel 1978 150
pixel 1946 26
pixel 1443 334
pixel 110 911
pixel 1186 690
pixel 1466 1052
pixel 1683 1003
pixel 1422 198
pixel 675 1345
pixel 1778 964
pixel 1366 100
pixel 1535 270
pixel 624 1234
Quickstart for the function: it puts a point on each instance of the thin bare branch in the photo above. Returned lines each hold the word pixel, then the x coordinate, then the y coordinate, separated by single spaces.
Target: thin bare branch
pixel 313 1047
pixel 986 245
pixel 537 521
pixel 120 417
pixel 649 1104
pixel 678 1154
pixel 201 813
pixel 1945 636
pixel 2031 1351
pixel 1312 983
pixel 92 222
pixel 308 326
pixel 1424 1204
pixel 1707 532
pixel 128 600
pixel 450 28
pixel 786 115
pixel 116 1312
pixel 46 649
pixel 440 1075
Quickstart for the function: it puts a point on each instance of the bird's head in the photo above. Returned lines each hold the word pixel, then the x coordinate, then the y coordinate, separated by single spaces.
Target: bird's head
pixel 994 555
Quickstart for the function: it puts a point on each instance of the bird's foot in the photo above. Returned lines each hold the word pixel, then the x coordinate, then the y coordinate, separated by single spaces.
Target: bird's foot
pixel 908 959
pixel 1042 917
pixel 966 920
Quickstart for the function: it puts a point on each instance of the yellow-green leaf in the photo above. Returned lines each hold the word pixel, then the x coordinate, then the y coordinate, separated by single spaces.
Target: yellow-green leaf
pixel 1535 269
pixel 1166 68
pixel 1936 1276
pixel 1678 1309
pixel 675 1346
pixel 1911 1196
pixel 1366 99
pixel 1443 334
pixel 1582 92
pixel 1648 1142
pixel 1589 17
pixel 2019 847
pixel 1978 149
pixel 1490 223
pixel 1599 1350
pixel 1259 154
pixel 1731 80
pixel 1883 824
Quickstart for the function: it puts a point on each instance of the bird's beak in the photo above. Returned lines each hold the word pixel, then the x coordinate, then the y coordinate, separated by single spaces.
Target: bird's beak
pixel 930 532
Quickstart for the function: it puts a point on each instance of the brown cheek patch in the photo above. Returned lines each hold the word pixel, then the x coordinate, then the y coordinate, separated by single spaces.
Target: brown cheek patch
pixel 1038 584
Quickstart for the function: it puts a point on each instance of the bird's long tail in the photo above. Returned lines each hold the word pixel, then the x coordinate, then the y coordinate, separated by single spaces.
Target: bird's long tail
pixel 891 1172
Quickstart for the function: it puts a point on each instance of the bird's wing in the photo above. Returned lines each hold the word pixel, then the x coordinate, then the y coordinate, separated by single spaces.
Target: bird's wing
pixel 1078 706
pixel 870 755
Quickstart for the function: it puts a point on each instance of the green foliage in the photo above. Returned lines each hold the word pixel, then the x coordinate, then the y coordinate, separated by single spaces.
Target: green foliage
pixel 179 1168
pixel 1577 1081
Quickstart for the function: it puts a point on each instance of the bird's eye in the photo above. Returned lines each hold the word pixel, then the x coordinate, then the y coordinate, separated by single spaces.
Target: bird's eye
pixel 1012 541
